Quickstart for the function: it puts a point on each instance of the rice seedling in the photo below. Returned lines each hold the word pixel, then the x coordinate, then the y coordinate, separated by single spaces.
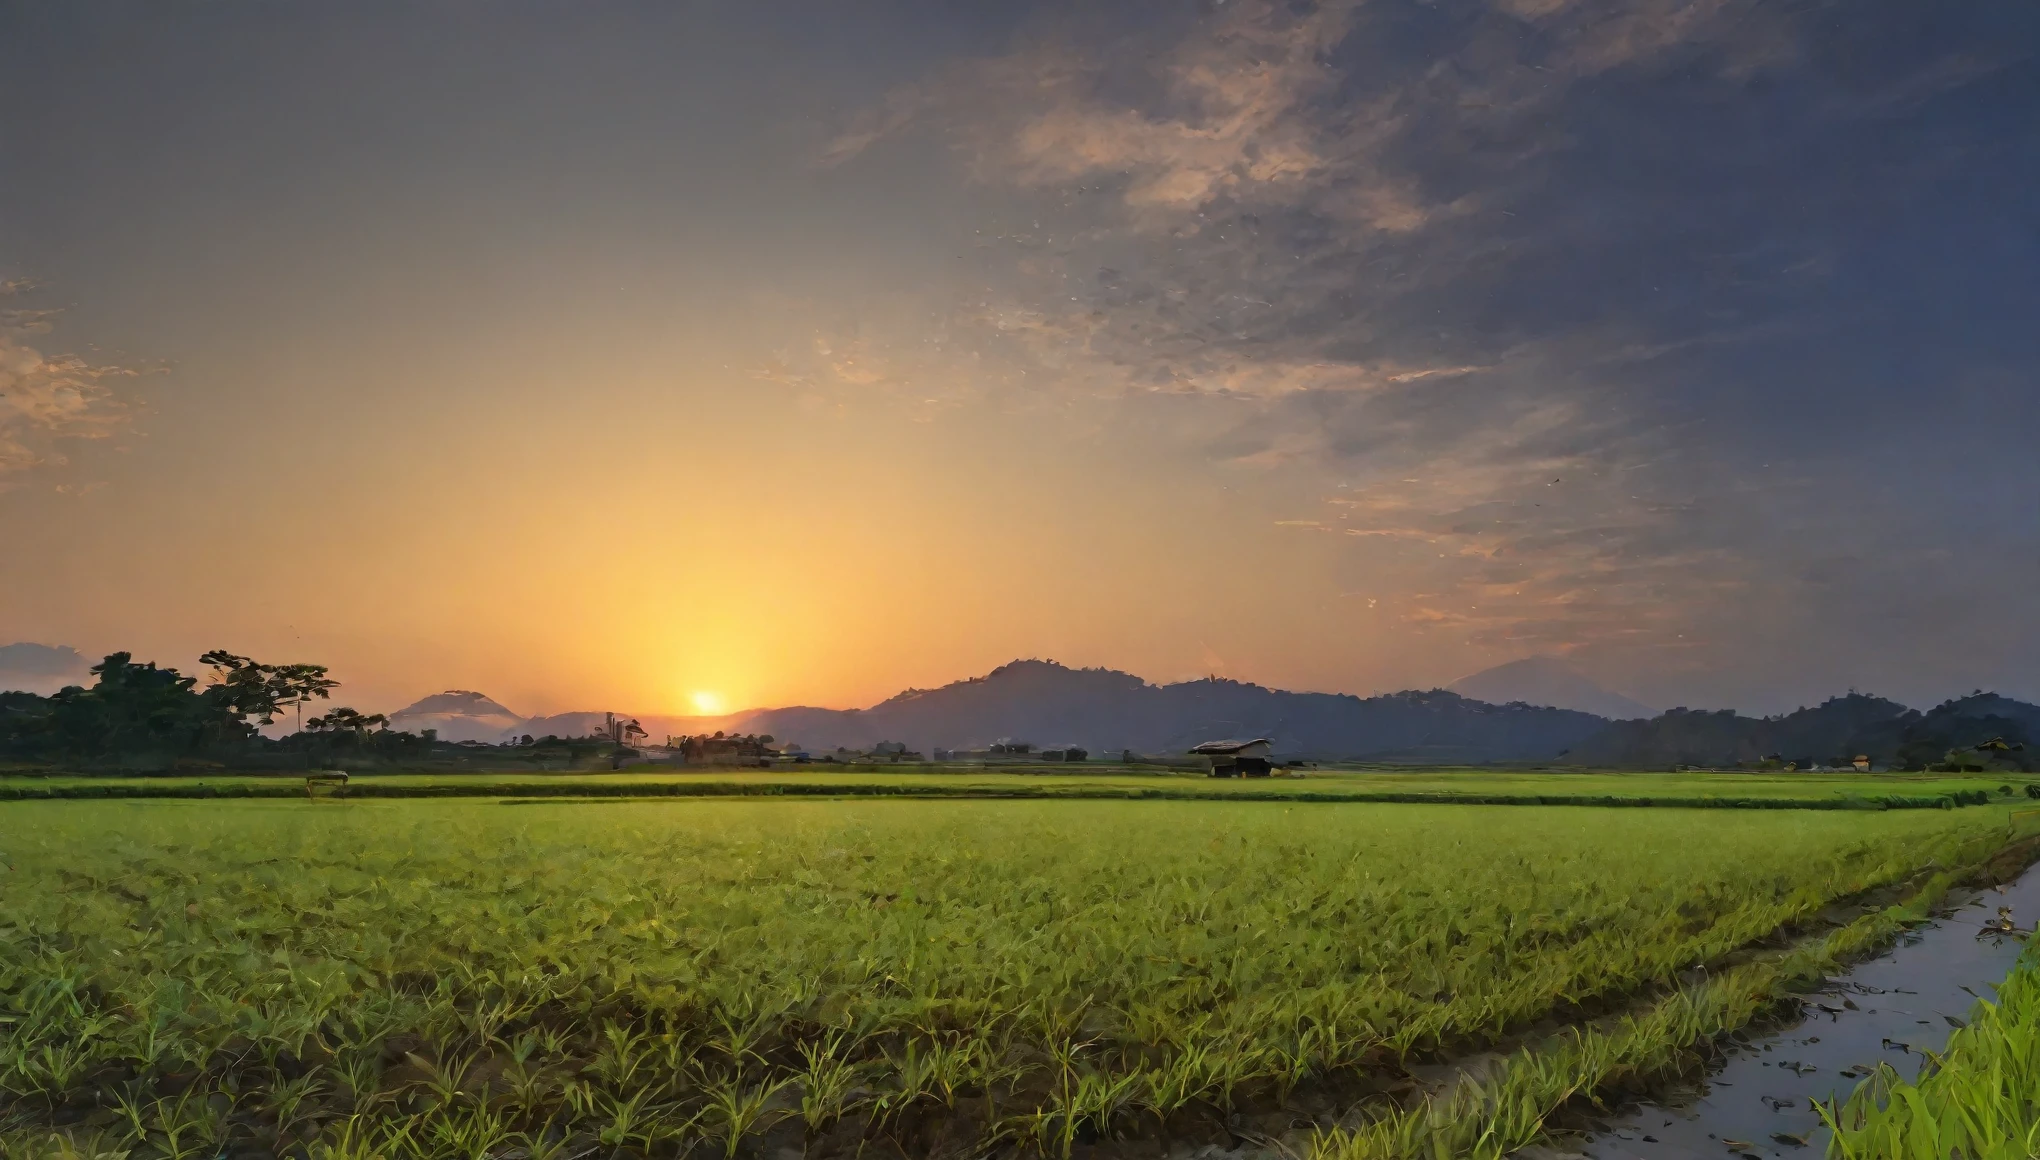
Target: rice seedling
pixel 733 1110
pixel 472 1132
pixel 284 1100
pixel 463 979
pixel 827 1082
pixel 91 1145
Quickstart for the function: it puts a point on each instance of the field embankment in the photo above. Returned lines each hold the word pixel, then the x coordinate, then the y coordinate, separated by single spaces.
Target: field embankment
pixel 887 978
pixel 1391 785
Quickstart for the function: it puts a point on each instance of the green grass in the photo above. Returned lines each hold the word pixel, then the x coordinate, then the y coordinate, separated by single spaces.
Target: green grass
pixel 466 979
pixel 1979 1100
pixel 1531 787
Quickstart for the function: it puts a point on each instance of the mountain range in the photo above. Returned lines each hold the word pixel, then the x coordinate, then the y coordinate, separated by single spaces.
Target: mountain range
pixel 1106 711
pixel 1103 710
pixel 1832 733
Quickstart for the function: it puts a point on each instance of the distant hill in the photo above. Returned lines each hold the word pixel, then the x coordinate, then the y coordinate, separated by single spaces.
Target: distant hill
pixel 458 715
pixel 1831 733
pixel 41 668
pixel 1548 681
pixel 1106 711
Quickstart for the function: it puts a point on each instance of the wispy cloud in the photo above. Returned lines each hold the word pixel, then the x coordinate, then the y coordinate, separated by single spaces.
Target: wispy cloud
pixel 48 398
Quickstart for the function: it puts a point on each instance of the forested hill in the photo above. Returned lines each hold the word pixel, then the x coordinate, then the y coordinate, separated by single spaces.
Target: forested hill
pixel 1980 731
pixel 1105 711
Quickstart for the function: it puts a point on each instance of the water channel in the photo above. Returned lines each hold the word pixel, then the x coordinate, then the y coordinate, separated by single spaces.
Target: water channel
pixel 1756 1102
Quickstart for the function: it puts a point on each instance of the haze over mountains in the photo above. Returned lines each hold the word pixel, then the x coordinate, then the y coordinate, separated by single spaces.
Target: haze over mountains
pixel 1548 681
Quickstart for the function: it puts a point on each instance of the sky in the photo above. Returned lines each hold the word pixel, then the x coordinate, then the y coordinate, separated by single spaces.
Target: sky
pixel 690 356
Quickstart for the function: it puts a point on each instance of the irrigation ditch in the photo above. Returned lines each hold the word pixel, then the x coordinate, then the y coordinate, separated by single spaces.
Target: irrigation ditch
pixel 1761 1099
pixel 1709 1094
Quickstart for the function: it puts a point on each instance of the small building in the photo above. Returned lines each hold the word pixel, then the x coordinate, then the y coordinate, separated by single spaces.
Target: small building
pixel 1236 758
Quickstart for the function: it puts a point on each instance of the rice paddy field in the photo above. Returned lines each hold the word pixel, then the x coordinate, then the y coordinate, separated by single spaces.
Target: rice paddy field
pixel 780 978
pixel 1104 781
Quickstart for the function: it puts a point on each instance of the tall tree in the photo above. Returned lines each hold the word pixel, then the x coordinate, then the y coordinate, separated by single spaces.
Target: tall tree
pixel 260 691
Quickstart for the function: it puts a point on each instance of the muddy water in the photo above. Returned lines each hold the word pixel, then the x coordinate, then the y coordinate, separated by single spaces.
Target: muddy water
pixel 1756 1101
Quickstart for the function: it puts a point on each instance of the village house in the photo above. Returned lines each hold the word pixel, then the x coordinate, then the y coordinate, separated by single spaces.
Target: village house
pixel 1236 758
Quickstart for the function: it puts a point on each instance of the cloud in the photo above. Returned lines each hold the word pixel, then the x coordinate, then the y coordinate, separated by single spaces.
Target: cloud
pixel 1431 257
pixel 44 398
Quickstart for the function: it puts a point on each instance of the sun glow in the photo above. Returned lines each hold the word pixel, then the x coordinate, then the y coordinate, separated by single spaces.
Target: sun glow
pixel 707 704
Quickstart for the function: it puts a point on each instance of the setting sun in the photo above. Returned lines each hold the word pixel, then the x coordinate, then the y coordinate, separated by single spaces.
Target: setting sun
pixel 707 704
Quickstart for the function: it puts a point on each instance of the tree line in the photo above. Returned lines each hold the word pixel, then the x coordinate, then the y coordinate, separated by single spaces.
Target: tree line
pixel 147 716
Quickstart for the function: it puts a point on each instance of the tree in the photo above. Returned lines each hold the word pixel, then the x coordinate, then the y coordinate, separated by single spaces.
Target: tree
pixel 145 715
pixel 132 709
pixel 248 689
pixel 296 685
pixel 347 720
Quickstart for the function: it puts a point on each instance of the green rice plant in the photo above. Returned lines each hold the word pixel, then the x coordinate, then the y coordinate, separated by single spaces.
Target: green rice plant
pixel 926 1069
pixel 528 1089
pixel 445 1082
pixel 361 1138
pixel 284 1100
pixel 1100 1098
pixel 625 1120
pixel 953 1065
pixel 544 1143
pixel 743 1033
pixel 468 1132
pixel 552 1041
pixel 735 1110
pixel 48 1069
pixel 192 1124
pixel 64 1145
pixel 646 970
pixel 1185 1079
pixel 361 1073
pixel 625 1052
pixel 828 1082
